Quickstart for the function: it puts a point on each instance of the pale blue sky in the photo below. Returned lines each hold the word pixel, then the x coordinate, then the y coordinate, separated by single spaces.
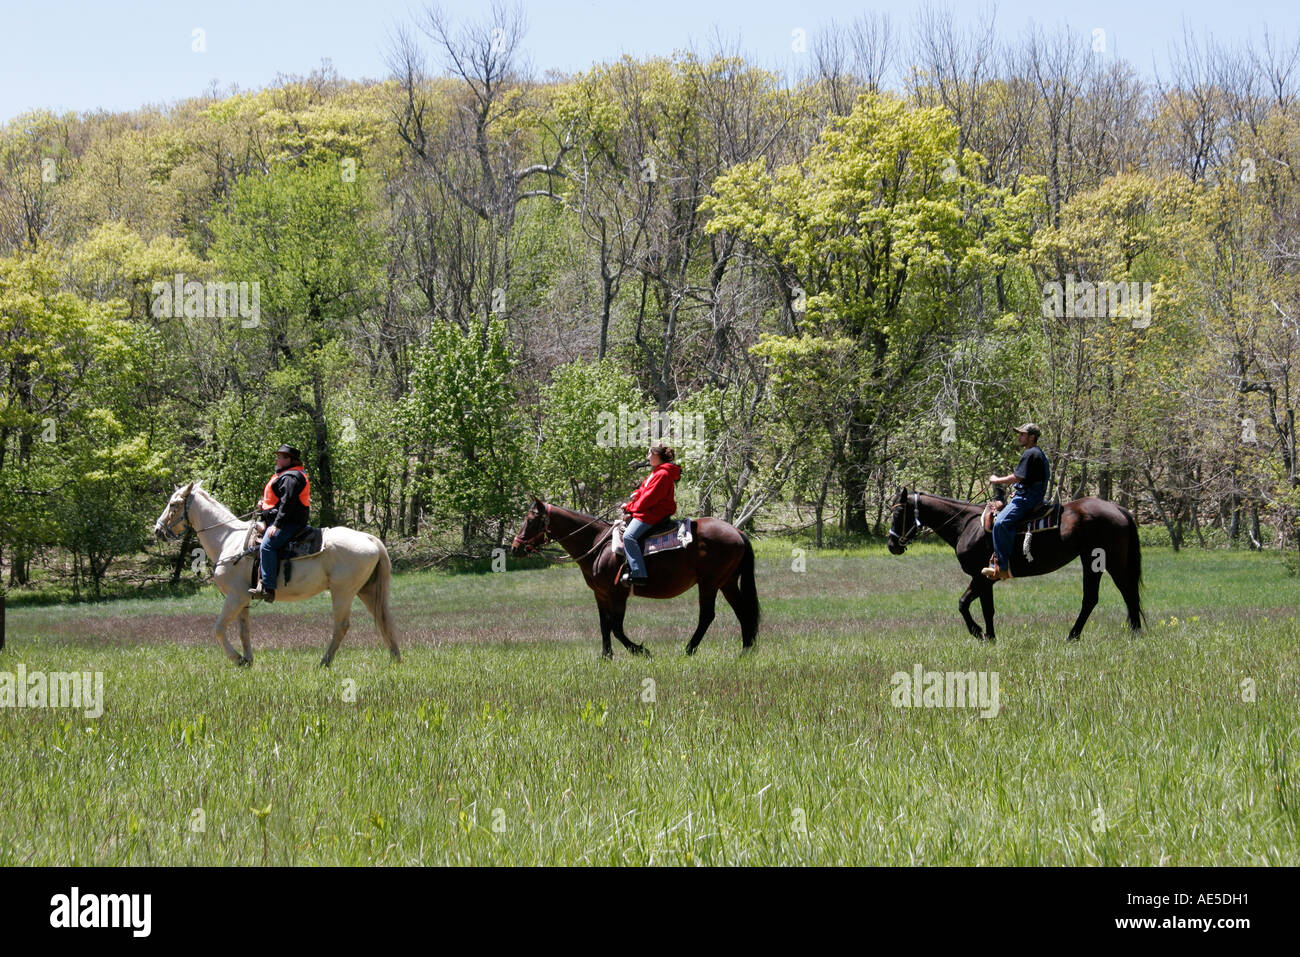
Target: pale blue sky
pixel 66 55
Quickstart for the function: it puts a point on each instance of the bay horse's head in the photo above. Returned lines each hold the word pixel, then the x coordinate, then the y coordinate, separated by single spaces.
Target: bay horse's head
pixel 536 531
pixel 171 523
pixel 903 522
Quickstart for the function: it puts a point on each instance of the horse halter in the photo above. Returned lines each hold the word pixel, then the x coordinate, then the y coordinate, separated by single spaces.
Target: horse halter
pixel 538 539
pixel 902 540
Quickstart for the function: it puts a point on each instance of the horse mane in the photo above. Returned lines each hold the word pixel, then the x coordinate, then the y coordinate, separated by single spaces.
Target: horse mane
pixel 579 515
pixel 951 501
pixel 223 514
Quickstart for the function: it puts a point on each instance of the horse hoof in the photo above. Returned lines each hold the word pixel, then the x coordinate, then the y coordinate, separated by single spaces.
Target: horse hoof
pixel 748 650
pixel 643 651
pixel 607 656
pixel 243 662
pixel 690 650
pixel 324 662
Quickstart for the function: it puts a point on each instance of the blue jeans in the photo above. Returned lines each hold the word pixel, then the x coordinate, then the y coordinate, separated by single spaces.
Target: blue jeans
pixel 271 545
pixel 636 530
pixel 1004 526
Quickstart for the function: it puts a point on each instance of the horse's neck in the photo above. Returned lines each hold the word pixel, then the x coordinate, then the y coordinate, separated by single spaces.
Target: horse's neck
pixel 575 532
pixel 215 525
pixel 946 519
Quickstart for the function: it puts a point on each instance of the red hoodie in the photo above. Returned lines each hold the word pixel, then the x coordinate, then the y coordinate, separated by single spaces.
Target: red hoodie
pixel 653 499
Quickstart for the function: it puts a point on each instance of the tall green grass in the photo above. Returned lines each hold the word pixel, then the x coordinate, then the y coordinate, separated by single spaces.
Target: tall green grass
pixel 503 738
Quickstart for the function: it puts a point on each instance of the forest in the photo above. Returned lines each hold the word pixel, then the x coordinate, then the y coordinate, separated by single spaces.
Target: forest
pixel 468 282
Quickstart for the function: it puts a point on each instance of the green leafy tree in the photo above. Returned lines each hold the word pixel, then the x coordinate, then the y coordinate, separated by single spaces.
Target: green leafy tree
pixel 590 412
pixel 884 228
pixel 463 416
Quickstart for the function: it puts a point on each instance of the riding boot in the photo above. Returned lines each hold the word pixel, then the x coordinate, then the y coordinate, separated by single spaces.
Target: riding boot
pixel 992 572
pixel 266 594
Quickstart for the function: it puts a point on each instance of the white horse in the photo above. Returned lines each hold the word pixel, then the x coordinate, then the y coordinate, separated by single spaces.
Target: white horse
pixel 351 563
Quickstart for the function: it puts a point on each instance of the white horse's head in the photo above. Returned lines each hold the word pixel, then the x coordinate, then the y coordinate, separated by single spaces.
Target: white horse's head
pixel 171 523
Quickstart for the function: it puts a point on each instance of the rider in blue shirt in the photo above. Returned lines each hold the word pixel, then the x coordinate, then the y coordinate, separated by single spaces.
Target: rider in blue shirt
pixel 1031 475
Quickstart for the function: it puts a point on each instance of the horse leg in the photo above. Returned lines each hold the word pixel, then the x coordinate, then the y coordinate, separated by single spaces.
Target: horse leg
pixel 342 619
pixel 986 605
pixel 618 607
pixel 708 600
pixel 964 604
pixel 605 650
pixel 1129 589
pixel 235 603
pixel 383 624
pixel 244 637
pixel 748 627
pixel 1091 585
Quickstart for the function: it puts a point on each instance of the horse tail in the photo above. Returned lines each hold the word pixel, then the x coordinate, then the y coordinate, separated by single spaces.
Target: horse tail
pixel 1133 576
pixel 749 611
pixel 375 593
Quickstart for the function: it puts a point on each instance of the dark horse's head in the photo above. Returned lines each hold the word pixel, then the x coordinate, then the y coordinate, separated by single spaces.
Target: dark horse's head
pixel 903 522
pixel 536 531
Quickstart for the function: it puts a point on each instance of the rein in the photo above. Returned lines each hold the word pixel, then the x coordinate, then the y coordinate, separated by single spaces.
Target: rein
pixel 185 514
pixel 535 541
pixel 911 533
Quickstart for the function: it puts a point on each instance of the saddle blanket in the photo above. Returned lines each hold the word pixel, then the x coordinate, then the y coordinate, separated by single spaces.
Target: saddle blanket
pixel 1051 520
pixel 669 541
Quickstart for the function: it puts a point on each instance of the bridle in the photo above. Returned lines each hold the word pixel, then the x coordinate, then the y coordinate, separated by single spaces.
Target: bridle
pixel 539 538
pixel 902 540
pixel 168 531
pixel 535 541
pixel 173 536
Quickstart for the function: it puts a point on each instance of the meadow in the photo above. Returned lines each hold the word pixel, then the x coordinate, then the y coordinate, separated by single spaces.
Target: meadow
pixel 503 738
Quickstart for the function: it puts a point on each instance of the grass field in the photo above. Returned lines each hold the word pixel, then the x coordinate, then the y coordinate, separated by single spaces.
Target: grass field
pixel 503 738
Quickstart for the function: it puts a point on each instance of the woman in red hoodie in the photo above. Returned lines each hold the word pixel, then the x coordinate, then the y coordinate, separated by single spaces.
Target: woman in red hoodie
pixel 652 502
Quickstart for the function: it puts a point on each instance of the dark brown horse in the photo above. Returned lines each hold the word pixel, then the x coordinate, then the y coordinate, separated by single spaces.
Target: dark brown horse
pixel 720 558
pixel 1102 533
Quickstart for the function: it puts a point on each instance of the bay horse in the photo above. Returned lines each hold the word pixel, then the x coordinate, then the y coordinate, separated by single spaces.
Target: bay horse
pixel 351 564
pixel 719 558
pixel 1101 533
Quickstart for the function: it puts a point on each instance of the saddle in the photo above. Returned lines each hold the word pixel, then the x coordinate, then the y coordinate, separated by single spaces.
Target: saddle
pixel 1045 516
pixel 668 535
pixel 310 541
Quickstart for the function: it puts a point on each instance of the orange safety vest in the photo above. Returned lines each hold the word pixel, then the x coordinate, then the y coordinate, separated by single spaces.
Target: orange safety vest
pixel 270 500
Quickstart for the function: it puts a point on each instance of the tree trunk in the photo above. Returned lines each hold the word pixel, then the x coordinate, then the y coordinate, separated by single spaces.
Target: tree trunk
pixel 324 461
pixel 179 566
